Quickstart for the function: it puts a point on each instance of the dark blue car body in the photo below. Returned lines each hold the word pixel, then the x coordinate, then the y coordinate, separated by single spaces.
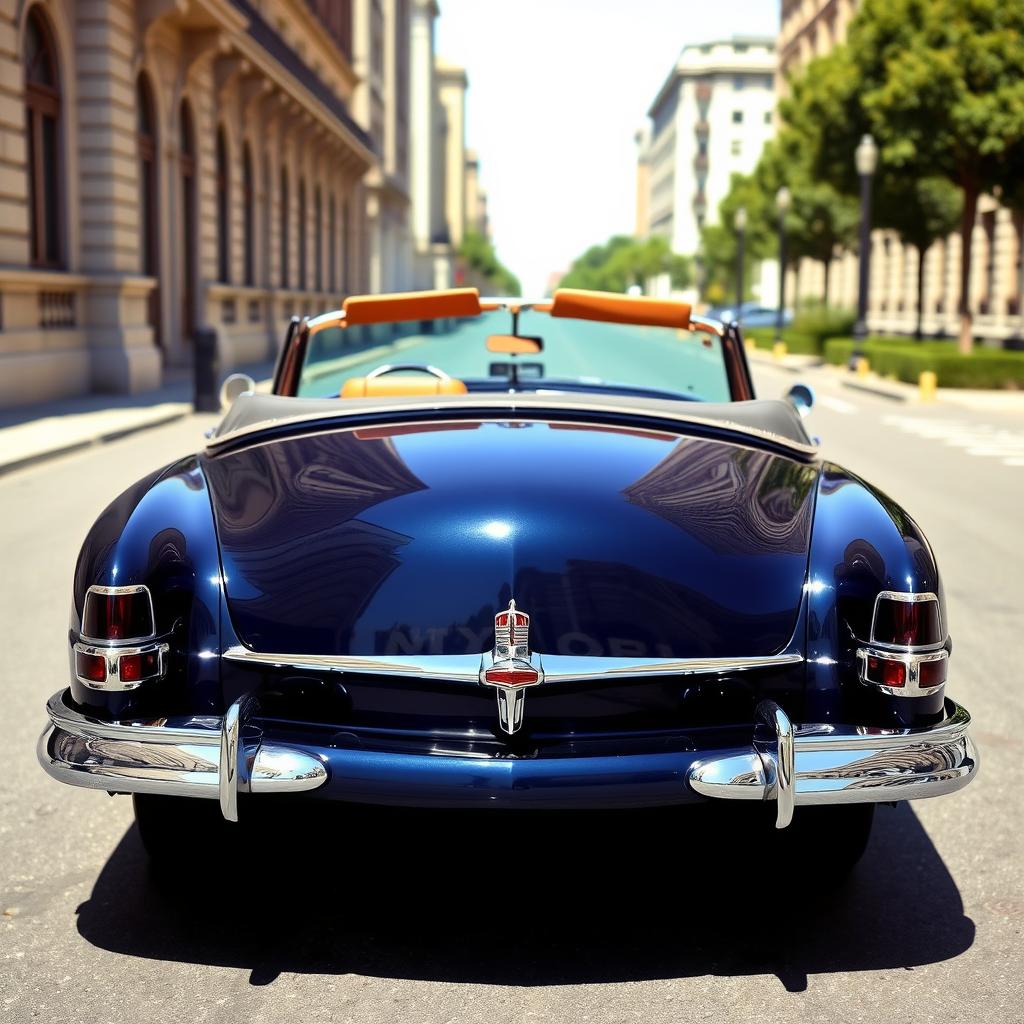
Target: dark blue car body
pixel 369 538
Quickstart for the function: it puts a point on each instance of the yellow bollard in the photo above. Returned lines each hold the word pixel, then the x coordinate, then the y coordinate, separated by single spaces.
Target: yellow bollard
pixel 928 384
pixel 863 367
pixel 779 350
pixel 749 345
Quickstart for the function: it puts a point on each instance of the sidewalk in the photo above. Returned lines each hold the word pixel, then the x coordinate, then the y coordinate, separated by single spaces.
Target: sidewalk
pixel 43 431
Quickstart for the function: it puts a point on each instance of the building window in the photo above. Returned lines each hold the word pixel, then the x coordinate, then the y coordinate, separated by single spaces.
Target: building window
pixel 283 232
pixel 737 117
pixel 767 117
pixel 187 168
pixel 332 245
pixel 223 210
pixel 702 147
pixel 303 282
pixel 318 238
pixel 42 124
pixel 248 216
pixel 738 82
pixel 736 147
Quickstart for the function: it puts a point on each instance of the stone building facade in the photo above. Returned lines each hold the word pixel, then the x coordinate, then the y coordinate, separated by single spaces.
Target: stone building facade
pixel 168 165
pixel 811 28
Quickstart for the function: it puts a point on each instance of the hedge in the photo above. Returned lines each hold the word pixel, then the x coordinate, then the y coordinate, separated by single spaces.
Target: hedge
pixel 907 360
pixel 807 333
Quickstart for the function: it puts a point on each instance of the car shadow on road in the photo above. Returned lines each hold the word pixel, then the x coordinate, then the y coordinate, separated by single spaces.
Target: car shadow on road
pixel 515 899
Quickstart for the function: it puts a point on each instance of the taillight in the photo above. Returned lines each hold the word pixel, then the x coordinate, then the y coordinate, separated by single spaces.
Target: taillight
pixel 906 657
pixel 907 620
pixel 118 649
pixel 886 671
pixel 91 667
pixel 118 614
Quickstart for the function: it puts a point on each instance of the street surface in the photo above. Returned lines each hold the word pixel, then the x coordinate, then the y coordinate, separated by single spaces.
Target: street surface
pixel 421 923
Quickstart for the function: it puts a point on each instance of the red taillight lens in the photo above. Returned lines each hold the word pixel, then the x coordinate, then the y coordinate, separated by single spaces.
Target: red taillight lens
pixel 132 668
pixel 932 673
pixel 91 666
pixel 886 671
pixel 124 614
pixel 511 676
pixel 907 623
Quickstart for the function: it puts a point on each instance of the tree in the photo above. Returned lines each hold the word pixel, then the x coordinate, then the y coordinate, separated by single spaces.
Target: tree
pixel 920 211
pixel 623 262
pixel 938 83
pixel 818 221
pixel 477 253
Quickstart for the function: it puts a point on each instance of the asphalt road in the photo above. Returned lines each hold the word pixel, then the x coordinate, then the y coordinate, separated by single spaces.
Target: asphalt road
pixel 423 919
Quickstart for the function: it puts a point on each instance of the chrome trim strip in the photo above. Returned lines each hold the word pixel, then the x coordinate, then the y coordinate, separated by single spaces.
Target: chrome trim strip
pixel 465 668
pixel 522 406
pixel 179 757
pixel 850 764
pixel 135 588
pixel 111 655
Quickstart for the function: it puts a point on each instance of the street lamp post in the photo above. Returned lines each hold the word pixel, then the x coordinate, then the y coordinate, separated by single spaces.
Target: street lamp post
pixel 866 158
pixel 783 199
pixel 740 224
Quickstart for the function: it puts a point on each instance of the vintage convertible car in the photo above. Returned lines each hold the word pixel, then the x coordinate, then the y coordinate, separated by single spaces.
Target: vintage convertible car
pixel 609 579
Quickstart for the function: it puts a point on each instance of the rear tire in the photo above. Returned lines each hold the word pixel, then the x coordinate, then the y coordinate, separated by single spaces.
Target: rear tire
pixel 174 828
pixel 827 842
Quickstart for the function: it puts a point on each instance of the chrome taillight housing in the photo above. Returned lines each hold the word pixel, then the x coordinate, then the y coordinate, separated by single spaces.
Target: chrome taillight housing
pixel 118 649
pixel 906 656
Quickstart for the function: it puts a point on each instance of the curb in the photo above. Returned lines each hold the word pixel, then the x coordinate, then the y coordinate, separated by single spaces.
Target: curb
pixel 879 389
pixel 91 442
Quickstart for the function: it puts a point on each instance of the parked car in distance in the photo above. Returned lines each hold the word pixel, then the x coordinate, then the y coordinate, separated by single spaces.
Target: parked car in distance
pixel 591 572
pixel 751 314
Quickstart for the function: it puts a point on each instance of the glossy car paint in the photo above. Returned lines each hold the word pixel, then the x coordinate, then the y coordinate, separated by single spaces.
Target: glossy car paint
pixel 407 540
pixel 619 543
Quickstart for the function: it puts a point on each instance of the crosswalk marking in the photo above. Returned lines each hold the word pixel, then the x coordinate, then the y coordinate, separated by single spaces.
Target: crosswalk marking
pixel 979 439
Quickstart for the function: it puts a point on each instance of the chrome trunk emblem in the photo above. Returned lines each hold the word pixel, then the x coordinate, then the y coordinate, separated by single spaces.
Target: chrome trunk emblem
pixel 512 667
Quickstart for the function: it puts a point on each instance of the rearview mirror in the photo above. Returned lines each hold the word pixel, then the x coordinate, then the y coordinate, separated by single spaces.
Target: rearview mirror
pixel 515 344
pixel 234 385
pixel 801 397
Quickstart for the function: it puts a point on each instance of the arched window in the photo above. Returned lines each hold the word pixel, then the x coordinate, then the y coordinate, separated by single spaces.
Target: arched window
pixel 332 245
pixel 187 169
pixel 318 238
pixel 284 229
pixel 223 210
pixel 303 281
pixel 248 216
pixel 42 123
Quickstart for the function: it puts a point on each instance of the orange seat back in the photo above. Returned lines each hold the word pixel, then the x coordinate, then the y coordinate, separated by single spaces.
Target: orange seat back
pixel 393 386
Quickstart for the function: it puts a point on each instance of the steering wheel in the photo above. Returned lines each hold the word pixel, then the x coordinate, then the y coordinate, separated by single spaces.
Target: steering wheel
pixel 416 367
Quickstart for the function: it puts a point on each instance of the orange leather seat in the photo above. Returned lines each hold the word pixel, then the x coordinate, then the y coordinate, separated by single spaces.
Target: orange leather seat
pixel 393 386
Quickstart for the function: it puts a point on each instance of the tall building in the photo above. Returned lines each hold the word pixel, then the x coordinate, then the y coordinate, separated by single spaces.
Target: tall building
pixel 381 59
pixel 171 166
pixel 710 120
pixel 811 28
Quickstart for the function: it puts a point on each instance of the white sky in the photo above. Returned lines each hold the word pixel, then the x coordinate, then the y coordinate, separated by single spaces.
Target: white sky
pixel 557 89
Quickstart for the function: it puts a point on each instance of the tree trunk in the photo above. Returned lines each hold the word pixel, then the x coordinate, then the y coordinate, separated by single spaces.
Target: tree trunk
pixel 827 264
pixel 966 238
pixel 921 254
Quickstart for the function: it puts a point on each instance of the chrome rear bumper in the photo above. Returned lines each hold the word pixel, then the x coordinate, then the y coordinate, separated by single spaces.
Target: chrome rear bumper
pixel 790 764
pixel 825 764
pixel 201 757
